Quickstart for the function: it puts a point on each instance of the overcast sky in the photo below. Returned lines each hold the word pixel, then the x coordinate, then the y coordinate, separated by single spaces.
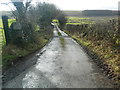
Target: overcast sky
pixel 75 4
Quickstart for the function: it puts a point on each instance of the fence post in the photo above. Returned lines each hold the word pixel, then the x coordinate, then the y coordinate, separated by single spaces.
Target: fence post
pixel 6 28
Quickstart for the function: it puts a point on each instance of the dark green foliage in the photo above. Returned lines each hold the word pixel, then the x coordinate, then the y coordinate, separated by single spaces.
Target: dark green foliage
pixel 21 35
pixel 59 33
pixel 41 15
pixel 62 19
pixel 45 13
pixel 25 32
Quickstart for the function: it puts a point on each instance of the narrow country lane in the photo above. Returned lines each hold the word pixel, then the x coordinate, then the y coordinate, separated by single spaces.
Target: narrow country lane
pixel 63 64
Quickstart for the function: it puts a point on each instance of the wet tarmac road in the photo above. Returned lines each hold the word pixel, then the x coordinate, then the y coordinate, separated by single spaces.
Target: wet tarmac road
pixel 63 64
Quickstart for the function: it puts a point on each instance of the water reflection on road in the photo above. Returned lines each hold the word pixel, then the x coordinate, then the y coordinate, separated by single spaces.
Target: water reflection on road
pixel 61 68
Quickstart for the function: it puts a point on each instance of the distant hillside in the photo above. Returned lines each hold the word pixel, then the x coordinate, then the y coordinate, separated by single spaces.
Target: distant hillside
pixel 91 13
pixel 73 13
pixel 99 13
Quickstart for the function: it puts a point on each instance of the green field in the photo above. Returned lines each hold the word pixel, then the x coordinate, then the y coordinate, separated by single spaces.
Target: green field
pixel 88 20
pixel 79 20
pixel 2 37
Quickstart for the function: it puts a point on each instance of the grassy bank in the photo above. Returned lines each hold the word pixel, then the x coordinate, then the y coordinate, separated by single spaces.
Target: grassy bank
pixel 11 53
pixel 102 40
pixel 106 53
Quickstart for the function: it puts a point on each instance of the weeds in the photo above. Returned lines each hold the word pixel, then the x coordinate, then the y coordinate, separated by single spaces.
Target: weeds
pixel 62 41
pixel 59 33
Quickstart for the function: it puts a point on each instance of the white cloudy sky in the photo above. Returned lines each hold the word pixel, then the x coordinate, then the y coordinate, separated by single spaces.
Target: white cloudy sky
pixel 75 4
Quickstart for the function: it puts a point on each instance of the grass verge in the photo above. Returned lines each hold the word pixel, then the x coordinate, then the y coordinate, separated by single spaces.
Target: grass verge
pixel 59 33
pixel 104 54
pixel 11 53
pixel 62 41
